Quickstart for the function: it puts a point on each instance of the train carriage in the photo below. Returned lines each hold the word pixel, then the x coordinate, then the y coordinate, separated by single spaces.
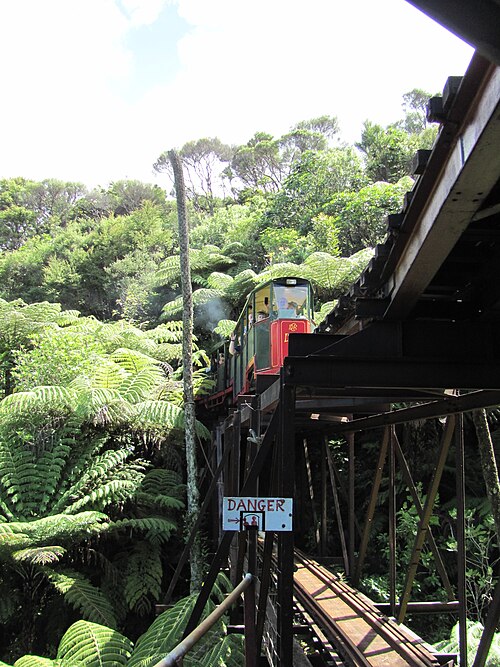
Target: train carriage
pixel 259 343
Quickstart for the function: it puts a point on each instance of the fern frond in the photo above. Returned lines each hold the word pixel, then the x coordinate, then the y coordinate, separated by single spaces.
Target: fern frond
pixel 229 651
pixel 160 480
pixel 143 577
pixel 109 375
pixel 219 281
pixel 169 332
pixel 93 645
pixel 159 501
pixel 173 308
pixel 204 295
pixel 335 274
pixel 132 361
pixel 284 269
pixel 82 595
pixel 40 555
pixel 67 317
pixel 140 386
pixel 45 398
pixel 163 634
pixel 325 310
pixel 85 469
pixel 163 416
pixel 242 285
pixel 61 528
pixel 225 328
pixel 169 272
pixel 157 529
pixel 114 491
pixel 34 661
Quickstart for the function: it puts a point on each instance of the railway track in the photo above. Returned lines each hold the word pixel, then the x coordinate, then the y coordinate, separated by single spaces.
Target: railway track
pixel 359 633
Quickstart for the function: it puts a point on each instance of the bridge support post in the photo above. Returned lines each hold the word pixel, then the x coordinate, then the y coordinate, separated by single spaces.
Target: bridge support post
pixel 461 555
pixel 285 539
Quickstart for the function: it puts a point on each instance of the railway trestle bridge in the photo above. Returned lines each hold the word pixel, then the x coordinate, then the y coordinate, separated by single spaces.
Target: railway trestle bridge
pixel 417 338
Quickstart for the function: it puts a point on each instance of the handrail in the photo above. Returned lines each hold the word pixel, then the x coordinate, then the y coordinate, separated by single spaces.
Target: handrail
pixel 178 653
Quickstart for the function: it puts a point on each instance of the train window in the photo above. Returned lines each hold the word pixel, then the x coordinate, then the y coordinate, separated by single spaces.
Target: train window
pixel 291 302
pixel 262 301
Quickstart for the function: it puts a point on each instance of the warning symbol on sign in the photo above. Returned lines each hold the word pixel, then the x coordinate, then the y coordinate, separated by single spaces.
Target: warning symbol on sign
pixel 255 520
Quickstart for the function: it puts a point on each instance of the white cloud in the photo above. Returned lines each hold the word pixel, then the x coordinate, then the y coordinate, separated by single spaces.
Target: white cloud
pixel 244 66
pixel 143 12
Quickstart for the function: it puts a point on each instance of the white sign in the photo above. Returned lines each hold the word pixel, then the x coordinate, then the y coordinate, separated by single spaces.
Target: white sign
pixel 242 513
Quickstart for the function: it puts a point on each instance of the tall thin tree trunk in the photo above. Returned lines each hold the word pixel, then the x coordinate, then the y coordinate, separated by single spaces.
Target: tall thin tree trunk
pixel 193 496
pixel 489 465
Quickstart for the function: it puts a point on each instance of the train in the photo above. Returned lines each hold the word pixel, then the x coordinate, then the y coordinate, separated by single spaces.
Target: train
pixel 252 359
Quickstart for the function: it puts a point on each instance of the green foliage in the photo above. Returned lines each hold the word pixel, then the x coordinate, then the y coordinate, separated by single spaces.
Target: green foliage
pixel 35 661
pixel 359 218
pixel 93 645
pixel 83 596
pixel 474 633
pixel 315 177
pixel 481 557
pixel 87 644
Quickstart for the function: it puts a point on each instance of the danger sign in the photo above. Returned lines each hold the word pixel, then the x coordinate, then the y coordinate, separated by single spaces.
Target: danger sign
pixel 243 513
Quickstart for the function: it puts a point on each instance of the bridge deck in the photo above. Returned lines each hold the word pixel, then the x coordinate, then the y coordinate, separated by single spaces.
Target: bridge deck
pixel 353 624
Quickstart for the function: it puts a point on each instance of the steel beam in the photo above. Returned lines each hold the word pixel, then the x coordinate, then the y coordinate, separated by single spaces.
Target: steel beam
pixel 475 22
pixel 489 629
pixel 405 471
pixel 426 516
pixel 463 186
pixel 392 373
pixel 371 507
pixel 340 524
pixel 461 543
pixel 446 406
pixel 227 536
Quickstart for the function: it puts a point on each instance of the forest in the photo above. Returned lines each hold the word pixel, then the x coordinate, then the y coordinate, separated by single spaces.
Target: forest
pixel 93 474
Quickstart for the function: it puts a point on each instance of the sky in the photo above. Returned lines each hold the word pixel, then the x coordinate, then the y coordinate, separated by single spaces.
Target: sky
pixel 95 90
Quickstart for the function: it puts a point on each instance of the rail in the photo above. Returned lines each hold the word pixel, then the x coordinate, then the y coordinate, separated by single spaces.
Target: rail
pixel 380 636
pixel 176 655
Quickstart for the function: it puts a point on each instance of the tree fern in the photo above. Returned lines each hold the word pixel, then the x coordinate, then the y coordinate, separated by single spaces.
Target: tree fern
pixel 242 285
pixel 110 493
pixel 284 269
pixel 163 635
pixel 133 361
pixel 93 645
pixel 40 555
pixel 143 577
pixel 156 529
pixel 228 651
pixel 219 281
pixel 83 596
pixel 225 328
pixel 40 398
pixel 335 274
pixel 62 529
pixel 474 633
pixel 164 416
pixel 325 310
pixel 35 661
